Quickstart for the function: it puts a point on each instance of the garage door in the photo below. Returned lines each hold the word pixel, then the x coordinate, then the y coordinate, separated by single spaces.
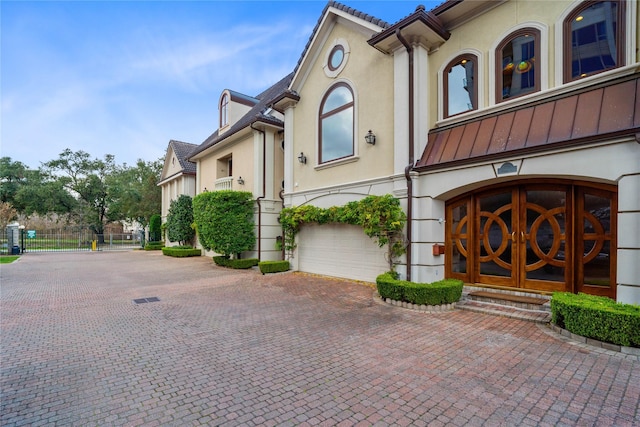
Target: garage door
pixel 340 250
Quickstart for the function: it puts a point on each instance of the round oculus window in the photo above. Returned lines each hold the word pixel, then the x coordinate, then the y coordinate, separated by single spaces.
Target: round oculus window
pixel 336 57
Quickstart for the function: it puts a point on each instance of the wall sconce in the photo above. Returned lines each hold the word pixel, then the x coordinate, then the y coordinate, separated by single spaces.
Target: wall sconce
pixel 370 137
pixel 302 158
pixel 240 180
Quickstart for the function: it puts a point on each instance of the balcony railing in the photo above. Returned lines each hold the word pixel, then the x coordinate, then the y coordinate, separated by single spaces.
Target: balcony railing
pixel 225 183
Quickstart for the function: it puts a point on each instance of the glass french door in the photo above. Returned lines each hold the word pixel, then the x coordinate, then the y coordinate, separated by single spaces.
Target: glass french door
pixel 544 237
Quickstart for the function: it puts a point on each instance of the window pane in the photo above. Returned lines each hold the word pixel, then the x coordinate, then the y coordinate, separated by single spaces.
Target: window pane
pixel 593 39
pixel 518 66
pixel 337 98
pixel 597 240
pixel 461 87
pixel 337 135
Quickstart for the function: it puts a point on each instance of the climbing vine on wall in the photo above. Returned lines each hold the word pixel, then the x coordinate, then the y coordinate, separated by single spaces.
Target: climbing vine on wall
pixel 381 218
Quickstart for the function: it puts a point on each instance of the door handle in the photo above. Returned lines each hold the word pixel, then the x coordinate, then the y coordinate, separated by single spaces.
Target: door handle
pixel 522 237
pixel 513 237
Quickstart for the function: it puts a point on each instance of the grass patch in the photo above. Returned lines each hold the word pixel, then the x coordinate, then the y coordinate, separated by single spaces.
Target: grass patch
pixel 8 259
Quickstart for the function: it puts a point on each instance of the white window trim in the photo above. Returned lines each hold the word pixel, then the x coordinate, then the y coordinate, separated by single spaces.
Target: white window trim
pixel 347 51
pixel 630 42
pixel 544 54
pixel 355 155
pixel 479 81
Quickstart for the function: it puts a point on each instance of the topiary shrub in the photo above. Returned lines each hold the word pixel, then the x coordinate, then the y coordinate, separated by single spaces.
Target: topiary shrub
pixel 241 264
pixel 596 317
pixel 179 220
pixel 155 228
pixel 181 251
pixel 224 220
pixel 445 291
pixel 273 266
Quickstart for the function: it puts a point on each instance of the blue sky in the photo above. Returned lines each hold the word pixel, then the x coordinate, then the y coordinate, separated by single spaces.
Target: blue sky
pixel 125 77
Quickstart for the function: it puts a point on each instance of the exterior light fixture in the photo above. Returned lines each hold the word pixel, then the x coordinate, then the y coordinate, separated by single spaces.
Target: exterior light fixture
pixel 240 180
pixel 370 137
pixel 302 158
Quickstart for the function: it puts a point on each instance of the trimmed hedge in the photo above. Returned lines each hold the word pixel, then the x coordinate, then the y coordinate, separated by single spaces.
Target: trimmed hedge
pixel 153 246
pixel 241 264
pixel 181 251
pixel 444 291
pixel 595 317
pixel 273 266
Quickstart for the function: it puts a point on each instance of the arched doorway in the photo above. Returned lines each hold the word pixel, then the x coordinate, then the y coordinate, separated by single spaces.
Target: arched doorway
pixel 535 235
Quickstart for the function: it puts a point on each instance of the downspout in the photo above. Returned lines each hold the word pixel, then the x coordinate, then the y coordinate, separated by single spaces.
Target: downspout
pixel 409 167
pixel 264 188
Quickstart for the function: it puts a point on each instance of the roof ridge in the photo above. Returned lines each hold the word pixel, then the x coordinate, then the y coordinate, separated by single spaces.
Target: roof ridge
pixel 351 11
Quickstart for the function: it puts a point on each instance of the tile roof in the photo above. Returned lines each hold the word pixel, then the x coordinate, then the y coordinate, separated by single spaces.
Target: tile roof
pixel 590 115
pixel 255 114
pixel 344 8
pixel 182 151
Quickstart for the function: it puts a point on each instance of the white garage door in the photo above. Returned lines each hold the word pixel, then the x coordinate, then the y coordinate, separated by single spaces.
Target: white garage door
pixel 340 250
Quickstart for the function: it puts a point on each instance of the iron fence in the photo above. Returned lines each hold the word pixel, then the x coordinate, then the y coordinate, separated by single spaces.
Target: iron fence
pixel 69 239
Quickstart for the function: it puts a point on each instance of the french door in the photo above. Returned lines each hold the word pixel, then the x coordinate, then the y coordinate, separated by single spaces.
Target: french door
pixel 544 237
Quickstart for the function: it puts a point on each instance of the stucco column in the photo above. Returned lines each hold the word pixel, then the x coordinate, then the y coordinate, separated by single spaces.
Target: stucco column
pixel 289 155
pixel 628 267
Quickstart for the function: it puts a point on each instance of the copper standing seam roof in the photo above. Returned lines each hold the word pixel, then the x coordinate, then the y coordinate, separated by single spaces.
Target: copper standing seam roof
pixel 592 115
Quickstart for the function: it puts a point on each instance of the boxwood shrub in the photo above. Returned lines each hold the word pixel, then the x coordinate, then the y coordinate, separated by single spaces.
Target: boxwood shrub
pixel 597 317
pixel 225 261
pixel 273 266
pixel 153 246
pixel 444 291
pixel 181 251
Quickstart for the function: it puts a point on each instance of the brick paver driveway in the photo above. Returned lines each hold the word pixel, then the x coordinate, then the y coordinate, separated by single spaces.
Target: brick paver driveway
pixel 225 347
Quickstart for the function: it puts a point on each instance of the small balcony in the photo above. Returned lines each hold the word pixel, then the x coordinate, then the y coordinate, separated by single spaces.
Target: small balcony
pixel 225 183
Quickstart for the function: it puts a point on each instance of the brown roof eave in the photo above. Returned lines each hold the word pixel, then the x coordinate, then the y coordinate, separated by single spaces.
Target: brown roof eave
pixel 231 132
pixel 634 132
pixel 427 18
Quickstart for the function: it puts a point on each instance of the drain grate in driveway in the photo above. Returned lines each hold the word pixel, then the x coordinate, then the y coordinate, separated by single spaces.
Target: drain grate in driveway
pixel 144 300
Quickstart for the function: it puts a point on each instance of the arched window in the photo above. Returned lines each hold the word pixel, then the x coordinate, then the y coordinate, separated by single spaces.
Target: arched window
pixel 518 64
pixel 224 110
pixel 593 39
pixel 460 85
pixel 336 124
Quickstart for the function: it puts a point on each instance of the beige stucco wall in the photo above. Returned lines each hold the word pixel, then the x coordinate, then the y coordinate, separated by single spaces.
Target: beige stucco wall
pixel 370 75
pixel 243 163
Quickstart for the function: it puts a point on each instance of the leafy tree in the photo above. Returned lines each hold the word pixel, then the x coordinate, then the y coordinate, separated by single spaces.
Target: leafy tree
pixel 12 177
pixel 43 194
pixel 87 179
pixel 139 196
pixel 179 220
pixel 155 228
pixel 224 220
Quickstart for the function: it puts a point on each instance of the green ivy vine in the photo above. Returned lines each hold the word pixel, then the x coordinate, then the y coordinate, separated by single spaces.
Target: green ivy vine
pixel 381 218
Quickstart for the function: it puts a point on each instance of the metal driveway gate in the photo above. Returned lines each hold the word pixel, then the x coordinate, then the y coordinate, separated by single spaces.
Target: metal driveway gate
pixel 74 239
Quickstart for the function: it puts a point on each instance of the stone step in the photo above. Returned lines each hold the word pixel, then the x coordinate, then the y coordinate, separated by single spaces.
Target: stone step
pixel 537 316
pixel 526 302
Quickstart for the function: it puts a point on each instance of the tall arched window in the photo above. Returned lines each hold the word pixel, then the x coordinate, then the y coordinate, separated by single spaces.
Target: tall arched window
pixel 593 39
pixel 336 124
pixel 460 85
pixel 224 110
pixel 518 64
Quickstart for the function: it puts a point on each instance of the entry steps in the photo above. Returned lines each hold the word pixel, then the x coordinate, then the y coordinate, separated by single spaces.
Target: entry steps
pixel 513 304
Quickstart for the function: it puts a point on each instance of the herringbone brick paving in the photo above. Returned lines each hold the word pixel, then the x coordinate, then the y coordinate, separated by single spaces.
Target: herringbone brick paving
pixel 226 347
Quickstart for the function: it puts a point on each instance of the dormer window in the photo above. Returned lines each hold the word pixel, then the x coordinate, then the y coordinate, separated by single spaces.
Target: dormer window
pixel 224 110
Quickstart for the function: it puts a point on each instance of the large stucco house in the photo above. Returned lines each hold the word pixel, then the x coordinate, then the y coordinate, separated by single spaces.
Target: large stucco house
pixel 508 130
